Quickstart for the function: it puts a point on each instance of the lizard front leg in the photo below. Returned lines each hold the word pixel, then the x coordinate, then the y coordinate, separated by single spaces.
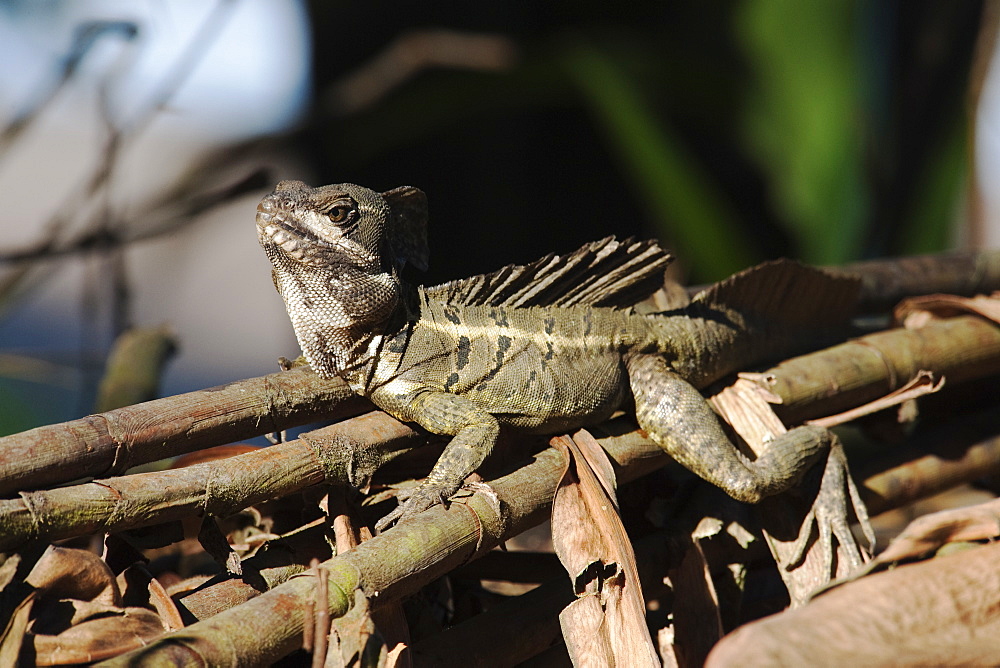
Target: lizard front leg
pixel 475 433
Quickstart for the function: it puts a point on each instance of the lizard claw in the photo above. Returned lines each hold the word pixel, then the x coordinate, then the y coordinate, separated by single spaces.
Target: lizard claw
pixel 829 513
pixel 425 496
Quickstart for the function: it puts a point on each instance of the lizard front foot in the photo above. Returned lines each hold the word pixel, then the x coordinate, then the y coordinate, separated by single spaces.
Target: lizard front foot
pixel 837 497
pixel 426 495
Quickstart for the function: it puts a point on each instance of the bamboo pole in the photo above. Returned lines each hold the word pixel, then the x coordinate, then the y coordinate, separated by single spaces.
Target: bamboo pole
pixel 110 443
pixel 387 567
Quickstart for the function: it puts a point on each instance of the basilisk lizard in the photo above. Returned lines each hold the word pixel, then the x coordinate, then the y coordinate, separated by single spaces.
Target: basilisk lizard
pixel 543 348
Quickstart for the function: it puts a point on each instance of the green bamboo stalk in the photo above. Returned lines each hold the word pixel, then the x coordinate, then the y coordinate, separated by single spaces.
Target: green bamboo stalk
pixel 389 566
pixel 110 443
pixel 847 375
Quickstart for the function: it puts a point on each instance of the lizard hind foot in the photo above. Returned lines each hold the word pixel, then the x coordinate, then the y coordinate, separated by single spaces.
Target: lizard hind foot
pixel 837 497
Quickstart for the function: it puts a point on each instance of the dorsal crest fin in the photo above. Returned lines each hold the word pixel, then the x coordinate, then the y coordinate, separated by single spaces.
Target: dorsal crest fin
pixel 787 291
pixel 603 273
pixel 407 232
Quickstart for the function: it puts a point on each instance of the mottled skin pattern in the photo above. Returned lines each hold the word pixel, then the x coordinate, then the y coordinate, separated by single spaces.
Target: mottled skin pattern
pixel 470 370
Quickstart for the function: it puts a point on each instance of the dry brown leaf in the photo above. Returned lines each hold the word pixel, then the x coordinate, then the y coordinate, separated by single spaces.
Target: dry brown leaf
pixel 78 611
pixel 216 544
pixel 790 522
pixel 389 620
pixel 13 636
pixel 915 312
pixel 922 383
pixel 98 638
pixel 945 611
pixel 587 633
pixel 354 641
pixel 394 658
pixel 697 624
pixel 606 625
pixel 78 574
pixel 931 532
pixel 745 405
pixel 9 567
pixel 140 589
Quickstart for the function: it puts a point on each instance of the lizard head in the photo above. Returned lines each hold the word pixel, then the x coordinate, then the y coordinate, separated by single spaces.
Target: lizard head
pixel 344 223
pixel 336 252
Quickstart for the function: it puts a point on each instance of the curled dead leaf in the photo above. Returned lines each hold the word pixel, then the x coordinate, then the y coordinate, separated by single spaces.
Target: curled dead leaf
pixel 945 611
pixel 915 312
pixel 77 611
pixel 606 625
pixel 98 638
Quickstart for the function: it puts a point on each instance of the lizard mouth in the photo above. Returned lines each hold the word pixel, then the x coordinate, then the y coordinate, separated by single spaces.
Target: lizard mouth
pixel 297 242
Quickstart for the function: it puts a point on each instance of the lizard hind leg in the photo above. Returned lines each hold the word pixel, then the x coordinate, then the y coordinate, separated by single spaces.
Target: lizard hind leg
pixel 678 418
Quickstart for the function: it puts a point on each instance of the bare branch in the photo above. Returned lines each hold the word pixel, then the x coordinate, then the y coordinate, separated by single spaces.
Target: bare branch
pixel 415 51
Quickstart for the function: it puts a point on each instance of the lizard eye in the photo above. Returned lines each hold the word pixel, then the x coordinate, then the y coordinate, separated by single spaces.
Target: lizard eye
pixel 341 212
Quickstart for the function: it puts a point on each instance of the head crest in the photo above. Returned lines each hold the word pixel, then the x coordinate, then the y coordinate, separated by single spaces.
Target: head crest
pixel 407 233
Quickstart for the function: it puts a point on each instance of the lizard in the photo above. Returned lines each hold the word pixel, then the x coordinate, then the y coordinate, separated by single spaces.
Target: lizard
pixel 540 348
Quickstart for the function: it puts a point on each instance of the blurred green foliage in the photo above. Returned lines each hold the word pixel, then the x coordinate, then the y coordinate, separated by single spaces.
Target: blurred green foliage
pixel 939 198
pixel 804 122
pixel 689 206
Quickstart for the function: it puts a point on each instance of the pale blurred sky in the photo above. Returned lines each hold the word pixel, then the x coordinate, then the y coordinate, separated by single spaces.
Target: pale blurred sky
pixel 209 282
pixel 251 78
pixel 987 161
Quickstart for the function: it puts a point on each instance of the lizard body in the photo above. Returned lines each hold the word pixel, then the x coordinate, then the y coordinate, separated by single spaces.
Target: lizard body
pixel 542 348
